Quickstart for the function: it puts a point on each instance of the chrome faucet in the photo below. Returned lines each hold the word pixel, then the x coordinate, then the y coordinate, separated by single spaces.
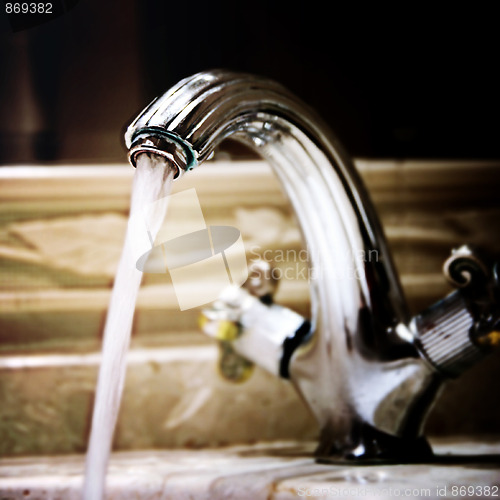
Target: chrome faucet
pixel 368 371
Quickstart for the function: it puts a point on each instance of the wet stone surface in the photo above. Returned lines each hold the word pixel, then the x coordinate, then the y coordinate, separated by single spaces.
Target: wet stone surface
pixel 278 471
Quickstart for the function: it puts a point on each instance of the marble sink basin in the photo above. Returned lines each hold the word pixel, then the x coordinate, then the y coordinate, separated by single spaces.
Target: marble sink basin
pixel 263 471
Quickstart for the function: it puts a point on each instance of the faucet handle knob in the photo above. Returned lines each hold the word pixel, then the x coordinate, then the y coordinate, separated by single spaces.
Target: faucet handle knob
pixel 221 322
pixel 462 328
pixel 478 280
pixel 464 269
pixel 262 281
pixel 251 327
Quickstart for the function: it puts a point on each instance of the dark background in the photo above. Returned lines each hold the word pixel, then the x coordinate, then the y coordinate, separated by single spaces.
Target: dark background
pixel 410 83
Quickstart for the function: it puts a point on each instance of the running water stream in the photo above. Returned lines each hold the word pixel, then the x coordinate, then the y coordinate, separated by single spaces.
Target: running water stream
pixel 152 182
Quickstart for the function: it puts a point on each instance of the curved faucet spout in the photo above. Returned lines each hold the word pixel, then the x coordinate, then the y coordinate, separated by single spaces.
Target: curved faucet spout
pixel 335 214
pixel 360 371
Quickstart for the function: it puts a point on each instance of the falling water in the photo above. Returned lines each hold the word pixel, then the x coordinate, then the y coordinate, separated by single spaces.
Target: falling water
pixel 152 181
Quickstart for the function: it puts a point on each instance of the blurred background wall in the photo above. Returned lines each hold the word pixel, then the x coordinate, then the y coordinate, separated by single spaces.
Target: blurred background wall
pixel 410 85
pixel 391 83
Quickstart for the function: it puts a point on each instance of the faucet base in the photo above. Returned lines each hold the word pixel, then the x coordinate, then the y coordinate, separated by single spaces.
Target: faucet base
pixel 369 446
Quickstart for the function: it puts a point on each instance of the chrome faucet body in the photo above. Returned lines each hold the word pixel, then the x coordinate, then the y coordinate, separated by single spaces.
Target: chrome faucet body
pixel 366 369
